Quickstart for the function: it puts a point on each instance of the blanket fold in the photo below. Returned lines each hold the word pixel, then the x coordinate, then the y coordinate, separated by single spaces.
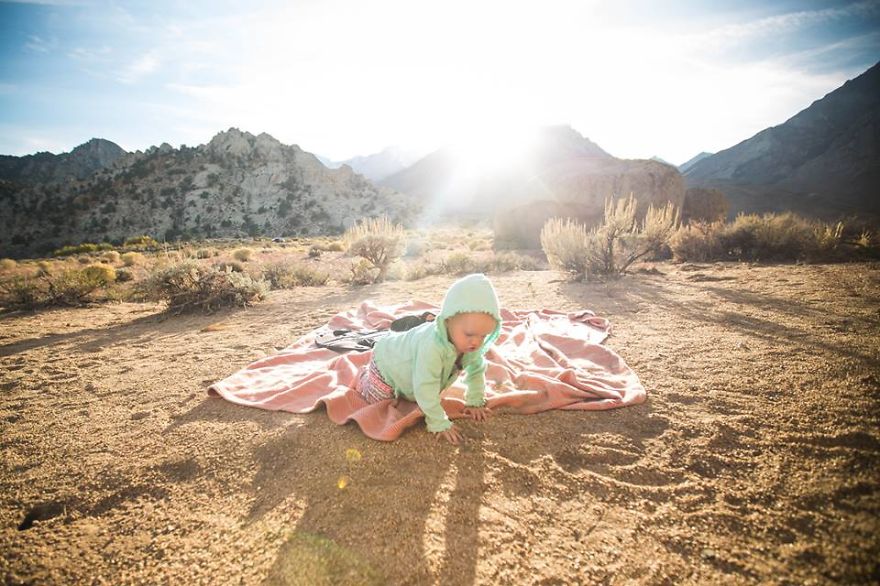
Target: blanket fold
pixel 543 359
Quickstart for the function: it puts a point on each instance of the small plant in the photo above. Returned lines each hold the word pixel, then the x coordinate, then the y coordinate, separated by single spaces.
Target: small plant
pixel 422 270
pixel 234 266
pixel 459 263
pixel 564 241
pixel 130 259
pixel 187 286
pixel 242 254
pixel 314 251
pixel 697 242
pixel 204 253
pixel 379 241
pixel 124 276
pixel 286 275
pixel 84 248
pixel 101 273
pixel 511 261
pixel 335 246
pixel 865 239
pixel 7 264
pixel 111 256
pixel 362 272
pixel 141 243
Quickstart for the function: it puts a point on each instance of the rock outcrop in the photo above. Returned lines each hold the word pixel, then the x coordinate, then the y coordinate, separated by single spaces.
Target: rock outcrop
pixel 44 167
pixel 824 161
pixel 237 185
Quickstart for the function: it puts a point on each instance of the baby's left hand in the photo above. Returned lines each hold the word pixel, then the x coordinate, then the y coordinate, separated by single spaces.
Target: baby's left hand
pixel 477 413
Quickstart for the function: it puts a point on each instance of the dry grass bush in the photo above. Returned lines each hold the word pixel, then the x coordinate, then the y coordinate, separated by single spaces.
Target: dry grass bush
pixel 698 242
pixel 459 263
pixel 124 276
pixel 84 248
pixel 780 237
pixel 415 247
pixel 612 247
pixel 234 266
pixel 242 254
pixel 564 241
pixel 284 274
pixel 188 285
pixel 7 264
pixel 361 272
pixel 510 261
pixel 103 273
pixel 111 256
pixel 141 243
pixel 315 251
pixel 205 253
pixel 130 259
pixel 70 287
pixel 421 270
pixel 378 241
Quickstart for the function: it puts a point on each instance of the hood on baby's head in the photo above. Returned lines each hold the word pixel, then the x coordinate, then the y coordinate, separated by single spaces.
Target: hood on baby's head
pixel 473 293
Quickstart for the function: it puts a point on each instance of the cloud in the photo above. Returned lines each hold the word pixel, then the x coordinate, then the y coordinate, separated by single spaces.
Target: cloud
pixel 139 68
pixel 785 23
pixel 38 44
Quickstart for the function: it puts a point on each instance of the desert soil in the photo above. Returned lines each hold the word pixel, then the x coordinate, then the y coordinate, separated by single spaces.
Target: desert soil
pixel 754 460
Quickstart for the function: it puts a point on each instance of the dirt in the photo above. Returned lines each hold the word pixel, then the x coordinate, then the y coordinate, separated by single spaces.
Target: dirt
pixel 754 460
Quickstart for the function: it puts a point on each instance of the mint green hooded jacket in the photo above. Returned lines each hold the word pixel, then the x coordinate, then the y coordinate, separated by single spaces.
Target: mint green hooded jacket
pixel 420 363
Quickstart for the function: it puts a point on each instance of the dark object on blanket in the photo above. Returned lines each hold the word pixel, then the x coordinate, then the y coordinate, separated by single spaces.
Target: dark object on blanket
pixel 348 340
pixel 408 322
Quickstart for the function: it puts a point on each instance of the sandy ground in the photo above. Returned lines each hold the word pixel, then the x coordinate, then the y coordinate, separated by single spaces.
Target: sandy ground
pixel 755 458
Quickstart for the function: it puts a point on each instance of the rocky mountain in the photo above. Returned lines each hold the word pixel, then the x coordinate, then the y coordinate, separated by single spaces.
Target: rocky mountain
pixel 693 161
pixel 382 164
pixel 824 161
pixel 236 185
pixel 45 167
pixel 561 173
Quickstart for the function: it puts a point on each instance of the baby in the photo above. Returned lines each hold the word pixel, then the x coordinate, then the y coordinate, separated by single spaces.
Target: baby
pixel 419 363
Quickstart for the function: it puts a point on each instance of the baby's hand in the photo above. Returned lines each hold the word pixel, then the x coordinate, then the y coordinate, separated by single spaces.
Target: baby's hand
pixel 477 413
pixel 452 435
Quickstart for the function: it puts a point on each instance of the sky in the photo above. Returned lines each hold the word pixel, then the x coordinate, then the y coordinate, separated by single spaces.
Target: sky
pixel 342 78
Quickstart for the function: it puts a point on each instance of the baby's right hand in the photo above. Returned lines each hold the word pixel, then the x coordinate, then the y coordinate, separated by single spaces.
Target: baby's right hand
pixel 452 435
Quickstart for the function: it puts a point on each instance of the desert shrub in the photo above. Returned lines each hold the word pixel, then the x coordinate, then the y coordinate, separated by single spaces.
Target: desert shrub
pixel 124 276
pixel 84 248
pixel 242 254
pixel 204 253
pixel 865 239
pixel 187 286
pixel 141 243
pixel 511 261
pixel 361 272
pixel 610 248
pixel 698 242
pixel 314 251
pixel 234 266
pixel 100 272
pixel 459 263
pixel 111 256
pixel 418 271
pixel 44 267
pixel 286 275
pixel 22 292
pixel 84 260
pixel 378 241
pixel 705 205
pixel 7 264
pixel 779 237
pixel 335 246
pixel 66 288
pixel 564 241
pixel 130 259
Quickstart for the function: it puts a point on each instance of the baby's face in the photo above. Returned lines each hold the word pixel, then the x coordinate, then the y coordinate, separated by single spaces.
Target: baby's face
pixel 468 330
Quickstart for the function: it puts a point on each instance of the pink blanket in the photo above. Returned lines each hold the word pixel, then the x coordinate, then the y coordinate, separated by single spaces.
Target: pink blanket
pixel 542 360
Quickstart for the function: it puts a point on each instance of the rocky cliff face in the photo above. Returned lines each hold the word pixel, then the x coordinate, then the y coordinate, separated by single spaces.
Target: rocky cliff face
pixel 236 185
pixel 823 161
pixel 562 174
pixel 79 163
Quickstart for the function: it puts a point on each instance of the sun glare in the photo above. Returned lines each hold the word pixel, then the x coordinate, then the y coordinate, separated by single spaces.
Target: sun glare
pixel 493 150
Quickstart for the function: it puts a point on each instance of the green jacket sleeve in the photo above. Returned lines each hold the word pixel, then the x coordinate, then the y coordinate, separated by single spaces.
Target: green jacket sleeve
pixel 427 380
pixel 475 379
